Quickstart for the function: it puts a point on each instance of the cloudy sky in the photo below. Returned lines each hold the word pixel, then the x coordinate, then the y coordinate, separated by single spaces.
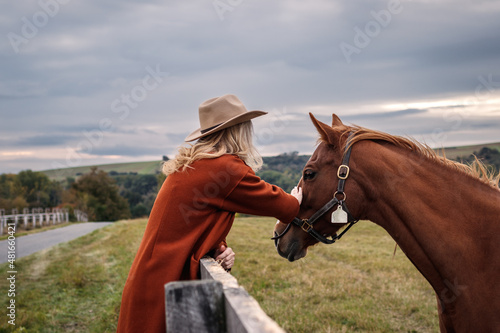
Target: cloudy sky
pixel 92 82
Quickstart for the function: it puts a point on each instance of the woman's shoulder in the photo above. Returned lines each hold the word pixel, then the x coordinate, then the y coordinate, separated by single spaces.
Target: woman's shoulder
pixel 227 162
pixel 231 158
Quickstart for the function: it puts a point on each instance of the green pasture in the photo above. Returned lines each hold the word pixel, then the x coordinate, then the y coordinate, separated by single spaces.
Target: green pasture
pixel 153 167
pixel 355 285
pixel 141 168
pixel 465 151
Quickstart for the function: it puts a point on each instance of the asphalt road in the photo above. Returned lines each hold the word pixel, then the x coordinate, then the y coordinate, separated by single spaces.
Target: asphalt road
pixel 26 245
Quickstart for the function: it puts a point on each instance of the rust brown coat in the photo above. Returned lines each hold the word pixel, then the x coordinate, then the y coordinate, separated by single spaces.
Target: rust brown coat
pixel 192 215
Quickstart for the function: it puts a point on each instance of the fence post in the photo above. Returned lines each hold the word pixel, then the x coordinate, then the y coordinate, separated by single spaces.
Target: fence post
pixel 195 306
pixel 33 217
pixel 14 212
pixel 81 216
pixel 2 213
pixel 243 313
pixel 26 211
pixel 40 213
pixel 47 215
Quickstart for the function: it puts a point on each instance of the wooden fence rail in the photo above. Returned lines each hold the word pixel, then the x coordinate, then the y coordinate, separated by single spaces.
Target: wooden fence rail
pixel 216 303
pixel 37 217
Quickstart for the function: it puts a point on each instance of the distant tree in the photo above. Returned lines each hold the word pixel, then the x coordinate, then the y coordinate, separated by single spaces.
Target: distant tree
pixel 490 156
pixel 69 182
pixel 33 187
pixel 161 178
pixel 6 190
pixel 486 155
pixel 144 184
pixel 140 210
pixel 139 190
pixel 29 189
pixel 18 202
pixel 97 194
pixel 283 170
pixel 284 180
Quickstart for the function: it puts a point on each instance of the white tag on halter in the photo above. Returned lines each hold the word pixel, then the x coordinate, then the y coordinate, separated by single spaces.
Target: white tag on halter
pixel 339 215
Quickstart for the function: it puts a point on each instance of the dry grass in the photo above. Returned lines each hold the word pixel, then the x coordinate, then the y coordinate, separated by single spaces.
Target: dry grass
pixel 353 285
pixel 75 286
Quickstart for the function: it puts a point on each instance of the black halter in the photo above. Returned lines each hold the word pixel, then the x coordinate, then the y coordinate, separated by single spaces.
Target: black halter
pixel 307 224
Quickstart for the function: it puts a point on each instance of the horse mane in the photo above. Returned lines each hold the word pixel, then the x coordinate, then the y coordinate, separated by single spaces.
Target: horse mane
pixel 476 170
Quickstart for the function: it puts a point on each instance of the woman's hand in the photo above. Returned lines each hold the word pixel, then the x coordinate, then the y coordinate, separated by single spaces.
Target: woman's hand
pixel 225 257
pixel 297 193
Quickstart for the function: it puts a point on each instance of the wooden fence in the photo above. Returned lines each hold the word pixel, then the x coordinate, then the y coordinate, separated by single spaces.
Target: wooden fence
pixel 37 217
pixel 216 303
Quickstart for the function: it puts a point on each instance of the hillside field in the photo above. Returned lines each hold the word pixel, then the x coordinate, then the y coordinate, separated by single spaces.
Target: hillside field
pixel 456 152
pixel 354 285
pixel 154 167
pixel 141 168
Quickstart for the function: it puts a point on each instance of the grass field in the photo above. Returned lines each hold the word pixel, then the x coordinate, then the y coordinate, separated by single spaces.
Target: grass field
pixel 153 167
pixel 454 152
pixel 354 285
pixel 142 168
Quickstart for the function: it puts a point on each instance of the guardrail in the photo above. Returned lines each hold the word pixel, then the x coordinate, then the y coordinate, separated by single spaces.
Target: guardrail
pixel 38 217
pixel 216 303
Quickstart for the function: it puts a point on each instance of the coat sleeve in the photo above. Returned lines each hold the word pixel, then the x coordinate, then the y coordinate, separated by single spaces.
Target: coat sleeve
pixel 254 196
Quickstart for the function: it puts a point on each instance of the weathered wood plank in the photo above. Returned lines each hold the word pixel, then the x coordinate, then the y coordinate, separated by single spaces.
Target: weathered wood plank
pixel 195 306
pixel 243 313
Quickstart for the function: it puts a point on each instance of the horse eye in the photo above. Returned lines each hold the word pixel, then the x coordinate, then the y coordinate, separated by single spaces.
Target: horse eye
pixel 309 174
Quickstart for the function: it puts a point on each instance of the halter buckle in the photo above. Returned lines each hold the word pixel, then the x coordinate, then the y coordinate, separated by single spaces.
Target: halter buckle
pixel 305 225
pixel 343 172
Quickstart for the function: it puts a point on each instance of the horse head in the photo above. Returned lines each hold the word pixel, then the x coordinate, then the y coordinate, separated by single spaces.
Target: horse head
pixel 419 198
pixel 319 184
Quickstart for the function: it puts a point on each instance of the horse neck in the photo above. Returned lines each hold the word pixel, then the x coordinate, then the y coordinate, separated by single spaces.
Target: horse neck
pixel 439 216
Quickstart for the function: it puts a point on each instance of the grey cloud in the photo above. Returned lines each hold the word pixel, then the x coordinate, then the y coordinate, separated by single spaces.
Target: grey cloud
pixel 44 140
pixel 390 114
pixel 271 54
pixel 126 150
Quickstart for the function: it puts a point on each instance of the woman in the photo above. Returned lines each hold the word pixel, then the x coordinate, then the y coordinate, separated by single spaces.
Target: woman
pixel 207 183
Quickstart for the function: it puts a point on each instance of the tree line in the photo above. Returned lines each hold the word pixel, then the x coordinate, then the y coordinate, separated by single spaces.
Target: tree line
pixel 113 196
pixel 95 193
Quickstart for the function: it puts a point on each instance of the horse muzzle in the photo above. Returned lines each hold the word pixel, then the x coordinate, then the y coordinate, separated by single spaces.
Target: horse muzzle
pixel 292 252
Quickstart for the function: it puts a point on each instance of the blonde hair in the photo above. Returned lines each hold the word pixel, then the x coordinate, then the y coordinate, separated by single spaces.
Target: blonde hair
pixel 236 139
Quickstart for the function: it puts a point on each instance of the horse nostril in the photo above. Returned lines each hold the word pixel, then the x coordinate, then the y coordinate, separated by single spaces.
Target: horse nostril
pixel 276 240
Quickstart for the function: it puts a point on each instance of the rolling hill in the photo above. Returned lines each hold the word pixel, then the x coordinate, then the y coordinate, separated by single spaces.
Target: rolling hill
pixel 154 167
pixel 453 153
pixel 141 168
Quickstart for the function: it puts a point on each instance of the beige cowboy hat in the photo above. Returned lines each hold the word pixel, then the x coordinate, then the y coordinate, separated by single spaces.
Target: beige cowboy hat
pixel 221 112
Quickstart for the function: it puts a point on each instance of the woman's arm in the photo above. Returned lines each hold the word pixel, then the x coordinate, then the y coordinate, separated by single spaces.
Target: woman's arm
pixel 254 196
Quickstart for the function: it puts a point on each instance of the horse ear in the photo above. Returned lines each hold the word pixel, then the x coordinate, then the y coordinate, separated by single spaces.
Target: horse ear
pixel 324 130
pixel 336 120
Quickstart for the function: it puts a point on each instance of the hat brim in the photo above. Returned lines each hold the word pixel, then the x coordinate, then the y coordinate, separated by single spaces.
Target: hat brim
pixel 228 123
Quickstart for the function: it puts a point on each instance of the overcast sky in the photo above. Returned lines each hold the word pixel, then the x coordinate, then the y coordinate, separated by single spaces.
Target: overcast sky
pixel 93 82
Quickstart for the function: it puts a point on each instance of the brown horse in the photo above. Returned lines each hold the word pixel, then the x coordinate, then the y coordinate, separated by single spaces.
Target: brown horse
pixel 445 216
